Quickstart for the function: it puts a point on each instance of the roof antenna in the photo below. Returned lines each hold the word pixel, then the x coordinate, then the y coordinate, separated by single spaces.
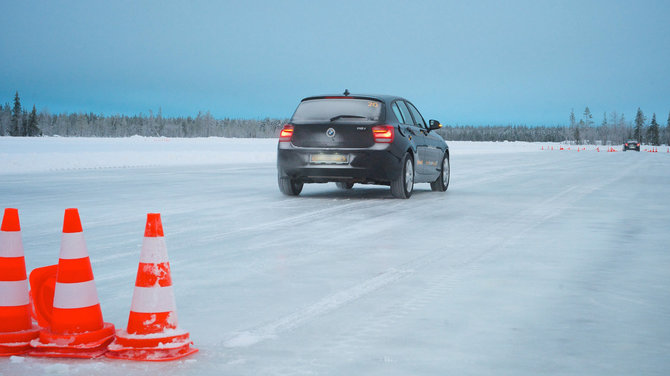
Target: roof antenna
pixel 346 92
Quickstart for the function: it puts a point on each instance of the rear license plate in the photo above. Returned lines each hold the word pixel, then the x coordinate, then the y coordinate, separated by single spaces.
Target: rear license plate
pixel 328 158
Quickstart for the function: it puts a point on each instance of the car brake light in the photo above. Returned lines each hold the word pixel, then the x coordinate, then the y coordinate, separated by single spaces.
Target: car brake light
pixel 383 133
pixel 286 133
pixel 626 144
pixel 638 144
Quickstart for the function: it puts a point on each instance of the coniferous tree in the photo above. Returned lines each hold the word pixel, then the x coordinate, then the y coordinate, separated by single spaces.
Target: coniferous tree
pixel 578 137
pixel 33 128
pixel 667 131
pixel 15 129
pixel 652 131
pixel 24 123
pixel 588 117
pixel 639 125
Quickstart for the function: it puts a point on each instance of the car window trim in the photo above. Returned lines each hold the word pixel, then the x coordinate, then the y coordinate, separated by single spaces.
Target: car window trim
pixel 408 111
pixel 421 126
pixel 394 105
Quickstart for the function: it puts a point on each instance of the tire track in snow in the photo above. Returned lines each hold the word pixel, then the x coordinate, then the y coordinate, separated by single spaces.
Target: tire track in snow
pixel 461 264
pixel 321 307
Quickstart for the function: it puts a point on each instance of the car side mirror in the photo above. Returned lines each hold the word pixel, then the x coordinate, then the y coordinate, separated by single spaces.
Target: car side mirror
pixel 434 124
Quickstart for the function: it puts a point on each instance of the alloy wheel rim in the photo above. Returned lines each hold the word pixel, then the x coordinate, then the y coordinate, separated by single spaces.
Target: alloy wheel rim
pixel 409 176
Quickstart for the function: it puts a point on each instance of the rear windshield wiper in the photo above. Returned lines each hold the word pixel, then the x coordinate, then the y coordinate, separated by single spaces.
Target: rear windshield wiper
pixel 346 116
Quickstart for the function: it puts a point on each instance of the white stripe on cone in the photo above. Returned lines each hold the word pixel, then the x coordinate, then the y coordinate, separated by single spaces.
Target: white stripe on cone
pixel 73 246
pixel 13 293
pixel 75 295
pixel 154 250
pixel 11 244
pixel 153 300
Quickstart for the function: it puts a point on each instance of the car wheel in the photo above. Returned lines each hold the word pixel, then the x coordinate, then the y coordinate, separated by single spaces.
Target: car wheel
pixel 442 182
pixel 343 185
pixel 403 186
pixel 288 186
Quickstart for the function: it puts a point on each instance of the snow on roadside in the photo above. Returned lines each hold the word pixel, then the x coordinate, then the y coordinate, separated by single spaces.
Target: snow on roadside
pixel 23 155
pixel 39 154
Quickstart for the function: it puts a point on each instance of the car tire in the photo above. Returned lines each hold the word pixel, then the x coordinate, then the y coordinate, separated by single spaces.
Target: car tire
pixel 403 186
pixel 344 185
pixel 288 186
pixel 442 182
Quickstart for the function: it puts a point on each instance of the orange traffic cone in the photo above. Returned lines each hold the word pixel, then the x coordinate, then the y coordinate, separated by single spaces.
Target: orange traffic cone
pixel 74 319
pixel 16 326
pixel 152 333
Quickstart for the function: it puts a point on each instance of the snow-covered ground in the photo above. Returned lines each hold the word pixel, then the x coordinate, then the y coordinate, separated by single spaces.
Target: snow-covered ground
pixel 533 262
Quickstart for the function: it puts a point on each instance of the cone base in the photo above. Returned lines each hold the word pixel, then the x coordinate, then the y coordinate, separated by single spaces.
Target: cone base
pixel 14 350
pixel 83 345
pixel 61 352
pixel 151 347
pixel 152 354
pixel 17 343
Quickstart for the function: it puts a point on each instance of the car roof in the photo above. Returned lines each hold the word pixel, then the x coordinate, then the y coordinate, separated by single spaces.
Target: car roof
pixel 380 97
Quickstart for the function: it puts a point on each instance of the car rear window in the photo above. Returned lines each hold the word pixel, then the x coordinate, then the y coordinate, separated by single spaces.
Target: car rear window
pixel 337 109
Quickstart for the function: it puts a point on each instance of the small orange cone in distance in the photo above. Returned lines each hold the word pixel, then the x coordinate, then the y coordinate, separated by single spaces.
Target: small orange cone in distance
pixel 16 325
pixel 75 325
pixel 152 333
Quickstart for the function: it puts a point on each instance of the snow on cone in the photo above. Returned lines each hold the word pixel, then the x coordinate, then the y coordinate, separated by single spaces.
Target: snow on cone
pixel 16 325
pixel 75 328
pixel 152 333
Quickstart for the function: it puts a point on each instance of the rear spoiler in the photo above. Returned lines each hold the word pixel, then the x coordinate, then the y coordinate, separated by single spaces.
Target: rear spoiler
pixel 343 97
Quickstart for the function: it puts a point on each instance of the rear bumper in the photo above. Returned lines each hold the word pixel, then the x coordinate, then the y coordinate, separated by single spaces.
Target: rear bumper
pixel 376 165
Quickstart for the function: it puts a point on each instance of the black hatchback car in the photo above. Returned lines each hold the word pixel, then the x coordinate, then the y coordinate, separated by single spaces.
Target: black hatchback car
pixel 631 145
pixel 366 139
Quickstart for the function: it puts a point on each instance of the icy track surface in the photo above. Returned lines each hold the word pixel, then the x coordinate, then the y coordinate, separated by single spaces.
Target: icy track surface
pixel 532 263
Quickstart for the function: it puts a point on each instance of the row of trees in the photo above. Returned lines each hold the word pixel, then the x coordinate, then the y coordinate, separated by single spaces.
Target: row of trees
pixel 16 121
pixel 614 129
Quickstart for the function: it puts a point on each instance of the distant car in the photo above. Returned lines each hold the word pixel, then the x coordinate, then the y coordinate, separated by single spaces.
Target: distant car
pixel 631 145
pixel 366 139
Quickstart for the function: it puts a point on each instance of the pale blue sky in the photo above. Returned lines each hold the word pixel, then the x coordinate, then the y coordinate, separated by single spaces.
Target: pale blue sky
pixel 462 62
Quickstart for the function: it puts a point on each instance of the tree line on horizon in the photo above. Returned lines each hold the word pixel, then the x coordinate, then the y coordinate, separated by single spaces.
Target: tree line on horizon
pixel 613 129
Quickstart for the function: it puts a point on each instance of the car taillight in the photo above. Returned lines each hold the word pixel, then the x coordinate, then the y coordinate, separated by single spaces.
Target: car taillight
pixel 383 133
pixel 638 144
pixel 626 144
pixel 286 133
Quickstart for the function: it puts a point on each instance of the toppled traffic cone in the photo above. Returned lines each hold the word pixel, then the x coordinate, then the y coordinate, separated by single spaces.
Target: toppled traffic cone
pixel 16 325
pixel 152 333
pixel 75 328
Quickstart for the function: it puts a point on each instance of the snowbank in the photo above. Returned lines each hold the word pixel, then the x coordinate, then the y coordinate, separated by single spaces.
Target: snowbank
pixel 38 154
